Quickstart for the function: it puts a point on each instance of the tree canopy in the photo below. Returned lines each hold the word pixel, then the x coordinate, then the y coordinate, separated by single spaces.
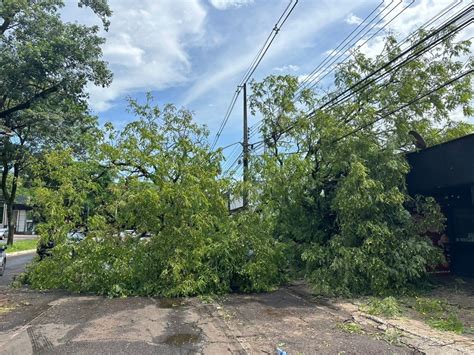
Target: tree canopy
pixel 46 65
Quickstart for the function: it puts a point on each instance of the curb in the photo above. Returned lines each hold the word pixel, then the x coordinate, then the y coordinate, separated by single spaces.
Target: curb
pixel 414 335
pixel 23 252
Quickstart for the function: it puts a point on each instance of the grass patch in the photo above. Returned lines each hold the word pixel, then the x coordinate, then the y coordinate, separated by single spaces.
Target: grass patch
pixel 21 245
pixel 449 324
pixel 387 307
pixel 439 314
pixel 206 299
pixel 428 306
pixel 392 336
pixel 351 327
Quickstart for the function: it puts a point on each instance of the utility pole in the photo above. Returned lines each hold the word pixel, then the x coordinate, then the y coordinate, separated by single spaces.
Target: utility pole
pixel 245 149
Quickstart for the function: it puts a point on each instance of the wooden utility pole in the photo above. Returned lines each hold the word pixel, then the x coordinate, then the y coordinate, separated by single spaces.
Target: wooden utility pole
pixel 245 149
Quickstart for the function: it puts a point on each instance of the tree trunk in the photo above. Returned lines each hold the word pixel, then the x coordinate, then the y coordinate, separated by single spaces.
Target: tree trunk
pixel 11 222
pixel 10 196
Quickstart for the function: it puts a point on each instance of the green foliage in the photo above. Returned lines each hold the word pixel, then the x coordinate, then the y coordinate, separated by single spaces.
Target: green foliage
pixel 351 327
pixel 332 184
pixel 428 306
pixel 327 198
pixel 392 336
pixel 439 314
pixel 450 323
pixel 45 66
pixel 163 182
pixel 387 307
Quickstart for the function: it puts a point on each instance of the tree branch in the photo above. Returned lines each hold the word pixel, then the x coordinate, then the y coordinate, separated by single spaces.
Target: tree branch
pixel 27 104
pixel 5 24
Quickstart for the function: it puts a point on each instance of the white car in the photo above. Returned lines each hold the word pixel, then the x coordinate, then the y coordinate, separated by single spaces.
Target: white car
pixel 3 233
pixel 3 259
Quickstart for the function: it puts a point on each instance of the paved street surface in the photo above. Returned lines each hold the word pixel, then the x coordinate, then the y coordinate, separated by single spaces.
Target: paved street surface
pixel 256 324
pixel 32 322
pixel 15 265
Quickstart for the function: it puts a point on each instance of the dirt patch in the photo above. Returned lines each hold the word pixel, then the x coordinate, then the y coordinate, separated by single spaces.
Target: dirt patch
pixel 181 339
pixel 171 302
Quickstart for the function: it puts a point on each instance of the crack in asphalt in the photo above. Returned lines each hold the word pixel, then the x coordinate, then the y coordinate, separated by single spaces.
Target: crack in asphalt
pixel 39 342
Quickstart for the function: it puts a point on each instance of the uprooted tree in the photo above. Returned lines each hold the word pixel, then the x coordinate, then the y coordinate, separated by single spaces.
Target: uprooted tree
pixel 162 183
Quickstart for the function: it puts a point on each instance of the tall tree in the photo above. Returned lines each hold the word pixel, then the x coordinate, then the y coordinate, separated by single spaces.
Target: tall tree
pixel 45 65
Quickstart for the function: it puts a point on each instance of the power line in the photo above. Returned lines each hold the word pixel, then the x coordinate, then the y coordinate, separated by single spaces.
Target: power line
pixel 411 102
pixel 254 64
pixel 230 145
pixel 363 83
pixel 430 22
pixel 276 29
pixel 230 158
pixel 398 109
pixel 363 43
pixel 232 165
pixel 323 66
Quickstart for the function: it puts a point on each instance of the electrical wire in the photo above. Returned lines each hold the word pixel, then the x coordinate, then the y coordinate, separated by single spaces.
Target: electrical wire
pixel 411 102
pixel 362 44
pixel 430 22
pixel 382 115
pixel 336 50
pixel 236 161
pixel 333 57
pixel 363 83
pixel 254 64
pixel 367 80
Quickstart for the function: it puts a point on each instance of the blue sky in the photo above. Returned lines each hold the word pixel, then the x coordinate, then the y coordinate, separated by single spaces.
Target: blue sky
pixel 193 52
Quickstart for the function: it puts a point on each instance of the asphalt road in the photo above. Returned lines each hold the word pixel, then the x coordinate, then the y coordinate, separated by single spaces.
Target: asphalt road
pixel 15 265
pixel 61 323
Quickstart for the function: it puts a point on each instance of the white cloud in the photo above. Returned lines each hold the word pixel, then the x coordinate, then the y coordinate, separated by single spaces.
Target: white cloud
pixel 299 32
pixel 352 19
pixel 146 45
pixel 411 19
pixel 287 68
pixel 225 4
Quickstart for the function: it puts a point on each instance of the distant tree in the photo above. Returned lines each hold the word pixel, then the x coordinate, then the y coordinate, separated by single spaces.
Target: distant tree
pixel 45 65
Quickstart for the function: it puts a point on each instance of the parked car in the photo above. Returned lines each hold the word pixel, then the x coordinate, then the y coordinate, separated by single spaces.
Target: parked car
pixel 75 236
pixel 3 233
pixel 3 259
pixel 44 249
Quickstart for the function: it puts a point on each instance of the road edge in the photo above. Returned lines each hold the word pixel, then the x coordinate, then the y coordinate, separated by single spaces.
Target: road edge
pixel 22 252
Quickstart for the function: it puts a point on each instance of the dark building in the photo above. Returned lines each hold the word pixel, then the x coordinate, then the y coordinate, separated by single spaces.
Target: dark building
pixel 446 172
